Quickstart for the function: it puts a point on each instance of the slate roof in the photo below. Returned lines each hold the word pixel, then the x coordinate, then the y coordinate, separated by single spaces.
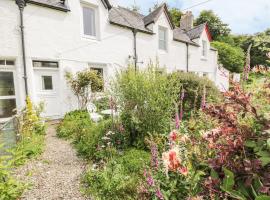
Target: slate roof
pixel 153 16
pixel 195 32
pixel 127 18
pixel 55 4
pixel 181 36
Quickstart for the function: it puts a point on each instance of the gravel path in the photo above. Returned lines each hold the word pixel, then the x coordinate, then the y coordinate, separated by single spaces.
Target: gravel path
pixel 56 174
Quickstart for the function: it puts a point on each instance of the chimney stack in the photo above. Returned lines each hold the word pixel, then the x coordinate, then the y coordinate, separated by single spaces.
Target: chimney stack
pixel 186 21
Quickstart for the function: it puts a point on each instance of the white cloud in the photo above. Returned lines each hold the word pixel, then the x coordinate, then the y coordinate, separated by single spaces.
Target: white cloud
pixel 243 16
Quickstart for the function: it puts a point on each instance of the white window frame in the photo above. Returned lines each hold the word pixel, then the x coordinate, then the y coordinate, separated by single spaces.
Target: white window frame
pixel 9 68
pixel 97 32
pixel 204 49
pixel 166 38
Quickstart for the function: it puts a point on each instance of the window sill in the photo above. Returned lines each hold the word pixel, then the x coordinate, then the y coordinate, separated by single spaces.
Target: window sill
pixel 93 38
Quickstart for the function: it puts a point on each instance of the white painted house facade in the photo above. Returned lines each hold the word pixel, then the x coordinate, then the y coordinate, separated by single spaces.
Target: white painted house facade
pixel 73 35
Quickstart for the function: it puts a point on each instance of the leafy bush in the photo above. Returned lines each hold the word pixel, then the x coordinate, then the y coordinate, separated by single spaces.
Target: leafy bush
pixel 146 99
pixel 31 143
pixel 119 179
pixel 193 86
pixel 89 142
pixel 73 123
pixel 232 58
pixel 84 84
pixel 10 188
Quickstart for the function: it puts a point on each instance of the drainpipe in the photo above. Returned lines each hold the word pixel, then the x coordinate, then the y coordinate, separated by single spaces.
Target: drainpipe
pixel 187 57
pixel 21 4
pixel 135 48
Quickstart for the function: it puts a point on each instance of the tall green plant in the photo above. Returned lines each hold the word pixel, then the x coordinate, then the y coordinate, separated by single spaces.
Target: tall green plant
pixel 146 99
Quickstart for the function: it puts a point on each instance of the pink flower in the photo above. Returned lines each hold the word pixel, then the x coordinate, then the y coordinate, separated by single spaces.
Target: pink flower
pixel 159 194
pixel 183 170
pixel 173 135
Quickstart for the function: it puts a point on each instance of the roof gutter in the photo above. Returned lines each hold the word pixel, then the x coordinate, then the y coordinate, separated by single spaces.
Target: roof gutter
pixel 21 4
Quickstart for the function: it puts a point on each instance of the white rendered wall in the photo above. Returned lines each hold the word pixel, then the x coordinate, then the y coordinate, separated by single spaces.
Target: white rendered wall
pixel 57 36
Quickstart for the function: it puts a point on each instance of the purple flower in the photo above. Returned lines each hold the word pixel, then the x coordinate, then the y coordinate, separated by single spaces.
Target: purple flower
pixel 154 156
pixel 150 180
pixel 159 194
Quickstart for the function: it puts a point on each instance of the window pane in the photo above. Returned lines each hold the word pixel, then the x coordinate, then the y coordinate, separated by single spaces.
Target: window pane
pixel 100 73
pixel 7 107
pixel 2 62
pixel 6 84
pixel 162 34
pixel 89 21
pixel 162 45
pixel 45 64
pixel 47 83
pixel 10 62
pixel 162 39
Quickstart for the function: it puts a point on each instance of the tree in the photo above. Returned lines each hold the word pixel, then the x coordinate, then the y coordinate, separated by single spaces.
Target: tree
pixel 84 85
pixel 232 58
pixel 216 26
pixel 260 47
pixel 176 15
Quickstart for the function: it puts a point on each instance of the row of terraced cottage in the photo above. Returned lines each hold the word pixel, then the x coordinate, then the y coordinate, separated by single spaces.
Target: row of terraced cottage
pixel 72 35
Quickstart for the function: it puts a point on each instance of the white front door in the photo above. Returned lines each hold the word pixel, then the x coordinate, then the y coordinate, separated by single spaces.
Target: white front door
pixel 47 89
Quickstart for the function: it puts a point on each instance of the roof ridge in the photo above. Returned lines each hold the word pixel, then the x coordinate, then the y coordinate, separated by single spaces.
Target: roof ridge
pixel 131 11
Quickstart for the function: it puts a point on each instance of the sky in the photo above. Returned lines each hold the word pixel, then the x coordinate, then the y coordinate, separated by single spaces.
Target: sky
pixel 243 16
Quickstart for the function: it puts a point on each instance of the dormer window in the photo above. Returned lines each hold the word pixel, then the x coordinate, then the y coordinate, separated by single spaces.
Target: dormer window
pixel 204 48
pixel 162 35
pixel 89 21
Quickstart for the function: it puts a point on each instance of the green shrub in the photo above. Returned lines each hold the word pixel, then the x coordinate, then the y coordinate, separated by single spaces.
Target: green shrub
pixel 102 104
pixel 194 89
pixel 119 179
pixel 232 58
pixel 90 138
pixel 146 99
pixel 10 188
pixel 73 123
pixel 133 161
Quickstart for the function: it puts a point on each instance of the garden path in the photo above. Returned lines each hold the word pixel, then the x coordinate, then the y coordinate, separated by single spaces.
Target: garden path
pixel 56 174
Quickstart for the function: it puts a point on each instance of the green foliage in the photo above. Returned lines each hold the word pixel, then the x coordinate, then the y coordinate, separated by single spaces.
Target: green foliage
pixel 193 86
pixel 216 26
pixel 88 142
pixel 73 123
pixel 10 188
pixel 84 84
pixel 134 161
pixel 146 99
pixel 232 58
pixel 176 15
pixel 119 179
pixel 102 104
pixel 31 144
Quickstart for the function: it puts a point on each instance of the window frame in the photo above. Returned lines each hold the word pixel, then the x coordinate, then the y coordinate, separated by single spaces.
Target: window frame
pixel 96 68
pixel 204 48
pixel 44 85
pixel 46 67
pixel 161 28
pixel 96 20
pixel 9 97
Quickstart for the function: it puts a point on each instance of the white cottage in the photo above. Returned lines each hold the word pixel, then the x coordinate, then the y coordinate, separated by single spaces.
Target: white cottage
pixel 72 35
